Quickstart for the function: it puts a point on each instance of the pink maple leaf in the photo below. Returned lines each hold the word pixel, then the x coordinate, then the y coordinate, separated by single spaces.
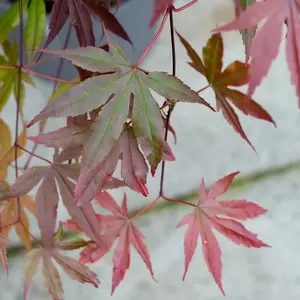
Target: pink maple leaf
pixel 204 218
pixel 265 45
pixel 134 169
pixel 120 226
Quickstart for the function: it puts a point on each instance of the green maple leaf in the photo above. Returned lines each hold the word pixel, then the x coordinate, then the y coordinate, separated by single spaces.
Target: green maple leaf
pixel 122 92
pixel 9 77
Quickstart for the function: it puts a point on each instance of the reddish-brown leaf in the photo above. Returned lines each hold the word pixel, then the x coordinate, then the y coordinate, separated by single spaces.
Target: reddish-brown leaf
pixel 235 74
pixel 80 13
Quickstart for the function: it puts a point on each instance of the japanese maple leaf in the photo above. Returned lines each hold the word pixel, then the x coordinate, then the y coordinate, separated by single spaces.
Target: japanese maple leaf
pixel 236 74
pixel 265 45
pixel 123 89
pixel 7 151
pixel 247 34
pixel 47 255
pixel 80 12
pixel 9 76
pixel 134 169
pixel 160 6
pixel 10 213
pixel 56 178
pixel 74 134
pixel 205 217
pixel 14 216
pixel 120 226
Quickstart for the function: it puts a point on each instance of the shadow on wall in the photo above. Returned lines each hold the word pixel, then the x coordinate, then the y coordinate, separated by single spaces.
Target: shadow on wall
pixel 134 15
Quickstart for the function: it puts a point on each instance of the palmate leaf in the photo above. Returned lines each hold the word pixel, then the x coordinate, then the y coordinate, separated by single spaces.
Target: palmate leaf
pixel 56 178
pixel 121 227
pixel 9 77
pixel 123 89
pixel 35 26
pixel 205 217
pixel 73 135
pixel 235 74
pixel 49 253
pixel 275 13
pixel 10 19
pixel 7 152
pixel 80 13
pixel 10 213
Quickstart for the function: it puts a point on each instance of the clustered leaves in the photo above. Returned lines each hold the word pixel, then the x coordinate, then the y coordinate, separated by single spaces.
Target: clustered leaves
pixel 112 118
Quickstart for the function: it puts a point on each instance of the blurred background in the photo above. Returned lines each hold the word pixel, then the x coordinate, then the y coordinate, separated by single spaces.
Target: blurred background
pixel 207 147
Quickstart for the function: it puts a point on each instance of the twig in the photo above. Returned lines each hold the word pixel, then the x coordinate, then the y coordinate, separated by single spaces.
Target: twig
pixel 59 69
pixel 171 107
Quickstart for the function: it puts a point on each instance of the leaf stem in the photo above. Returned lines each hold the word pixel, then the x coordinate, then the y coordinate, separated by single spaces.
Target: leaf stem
pixel 59 69
pixel 140 212
pixel 50 77
pixel 184 7
pixel 40 61
pixel 61 60
pixel 35 155
pixel 6 154
pixel 178 201
pixel 155 38
pixel 18 98
pixel 203 89
pixel 8 67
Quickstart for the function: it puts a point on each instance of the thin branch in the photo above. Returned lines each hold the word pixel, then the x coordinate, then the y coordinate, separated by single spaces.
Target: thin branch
pixel 18 98
pixel 50 77
pixel 9 67
pixel 59 69
pixel 35 155
pixel 144 209
pixel 61 60
pixel 178 201
pixel 41 61
pixel 184 7
pixel 203 89
pixel 171 107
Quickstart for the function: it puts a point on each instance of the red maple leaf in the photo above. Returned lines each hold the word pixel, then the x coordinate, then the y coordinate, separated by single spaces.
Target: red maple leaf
pixel 120 226
pixel 204 218
pixel 80 12
pixel 235 74
pixel 265 45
